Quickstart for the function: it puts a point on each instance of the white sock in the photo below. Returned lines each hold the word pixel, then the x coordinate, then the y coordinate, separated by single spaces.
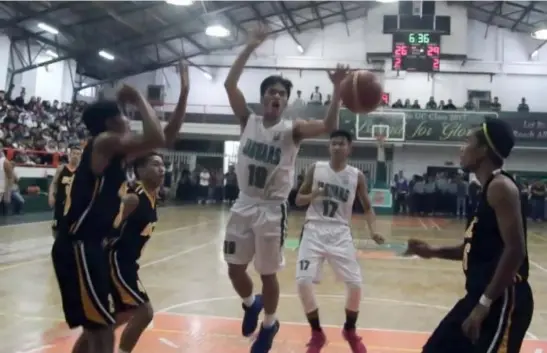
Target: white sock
pixel 269 320
pixel 249 301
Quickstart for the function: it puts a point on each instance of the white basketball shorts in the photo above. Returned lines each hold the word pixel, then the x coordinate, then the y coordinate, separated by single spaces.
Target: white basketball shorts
pixel 332 243
pixel 256 230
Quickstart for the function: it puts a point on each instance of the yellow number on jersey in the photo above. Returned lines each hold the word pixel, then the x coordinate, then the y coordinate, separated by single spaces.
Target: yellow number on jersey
pixel 149 229
pixel 68 200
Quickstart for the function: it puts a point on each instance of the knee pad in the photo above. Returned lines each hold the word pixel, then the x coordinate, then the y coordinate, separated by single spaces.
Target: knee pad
pixel 306 294
pixel 353 296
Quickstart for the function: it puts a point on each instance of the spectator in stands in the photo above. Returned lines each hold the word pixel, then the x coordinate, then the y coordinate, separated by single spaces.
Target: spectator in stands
pixel 461 196
pixel 450 106
pixel 416 105
pixel 495 105
pixel 231 191
pixel 537 198
pixel 431 104
pixel 298 103
pixel 441 105
pixel 402 189
pixel 407 104
pixel 316 97
pixel 204 181
pixel 328 100
pixel 398 104
pixel 469 105
pixel 523 107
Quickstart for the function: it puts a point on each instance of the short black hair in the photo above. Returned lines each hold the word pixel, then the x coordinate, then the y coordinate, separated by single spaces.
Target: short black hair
pixel 142 160
pixel 273 80
pixel 96 115
pixel 342 133
pixel 498 136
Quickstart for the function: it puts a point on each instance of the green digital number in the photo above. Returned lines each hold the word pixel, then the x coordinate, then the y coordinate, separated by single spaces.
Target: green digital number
pixel 412 38
pixel 418 38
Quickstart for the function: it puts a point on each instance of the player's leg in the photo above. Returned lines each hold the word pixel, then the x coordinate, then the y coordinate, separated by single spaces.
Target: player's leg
pixel 508 320
pixel 308 267
pixel 270 230
pixel 342 257
pixel 131 299
pixel 82 274
pixel 239 250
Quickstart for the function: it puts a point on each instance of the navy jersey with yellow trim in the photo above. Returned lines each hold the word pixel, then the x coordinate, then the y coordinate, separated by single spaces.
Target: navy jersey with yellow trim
pixel 483 245
pixel 62 186
pixel 93 201
pixel 136 230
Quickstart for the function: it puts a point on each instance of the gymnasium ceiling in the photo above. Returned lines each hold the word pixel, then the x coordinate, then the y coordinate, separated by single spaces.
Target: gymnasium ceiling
pixel 145 35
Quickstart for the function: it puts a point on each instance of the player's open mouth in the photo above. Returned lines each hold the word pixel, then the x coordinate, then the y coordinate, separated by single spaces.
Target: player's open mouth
pixel 275 105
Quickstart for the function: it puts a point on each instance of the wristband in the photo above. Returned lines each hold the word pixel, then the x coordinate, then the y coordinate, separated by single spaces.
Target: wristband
pixel 485 301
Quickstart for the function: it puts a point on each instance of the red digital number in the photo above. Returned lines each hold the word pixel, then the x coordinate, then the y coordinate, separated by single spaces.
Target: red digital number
pixel 436 63
pixel 433 50
pixel 397 63
pixel 400 50
pixel 385 98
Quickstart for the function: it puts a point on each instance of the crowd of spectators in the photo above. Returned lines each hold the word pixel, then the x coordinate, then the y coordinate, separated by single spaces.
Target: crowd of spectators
pixel 316 98
pixel 453 194
pixel 38 126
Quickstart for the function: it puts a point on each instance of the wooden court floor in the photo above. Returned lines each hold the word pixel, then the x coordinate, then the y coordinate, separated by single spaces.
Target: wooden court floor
pixel 197 311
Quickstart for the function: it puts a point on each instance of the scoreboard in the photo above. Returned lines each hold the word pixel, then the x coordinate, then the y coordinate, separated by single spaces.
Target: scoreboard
pixel 416 51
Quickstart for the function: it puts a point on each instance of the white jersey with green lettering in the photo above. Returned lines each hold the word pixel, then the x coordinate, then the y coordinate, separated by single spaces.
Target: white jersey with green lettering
pixel 336 203
pixel 265 161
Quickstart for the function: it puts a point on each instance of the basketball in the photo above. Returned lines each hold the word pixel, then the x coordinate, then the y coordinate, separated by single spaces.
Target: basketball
pixel 361 92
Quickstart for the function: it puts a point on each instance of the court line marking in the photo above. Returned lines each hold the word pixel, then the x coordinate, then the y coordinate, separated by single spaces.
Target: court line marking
pixel 393 302
pixel 166 231
pixel 423 224
pixel 536 265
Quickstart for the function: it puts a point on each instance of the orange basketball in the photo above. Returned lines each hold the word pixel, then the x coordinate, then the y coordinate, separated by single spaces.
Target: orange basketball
pixel 361 92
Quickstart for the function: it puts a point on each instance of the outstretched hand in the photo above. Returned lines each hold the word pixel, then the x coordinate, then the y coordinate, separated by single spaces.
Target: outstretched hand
pixel 258 36
pixel 338 74
pixel 184 77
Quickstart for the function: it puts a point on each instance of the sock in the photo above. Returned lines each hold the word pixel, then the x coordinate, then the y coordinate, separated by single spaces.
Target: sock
pixel 351 320
pixel 313 319
pixel 269 320
pixel 122 351
pixel 249 301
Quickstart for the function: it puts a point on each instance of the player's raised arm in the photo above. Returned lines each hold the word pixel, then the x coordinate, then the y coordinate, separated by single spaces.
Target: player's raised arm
pixel 504 197
pixel 125 143
pixel 313 128
pixel 306 194
pixel 172 128
pixel 235 96
pixel 370 216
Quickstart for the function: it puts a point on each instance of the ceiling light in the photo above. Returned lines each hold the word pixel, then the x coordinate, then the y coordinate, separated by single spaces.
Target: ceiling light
pixel 540 34
pixel 51 53
pixel 180 2
pixel 106 55
pixel 208 75
pixel 217 31
pixel 48 28
pixel 300 49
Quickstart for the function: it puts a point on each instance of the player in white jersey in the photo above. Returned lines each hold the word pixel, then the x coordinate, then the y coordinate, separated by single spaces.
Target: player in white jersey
pixel 330 189
pixel 265 173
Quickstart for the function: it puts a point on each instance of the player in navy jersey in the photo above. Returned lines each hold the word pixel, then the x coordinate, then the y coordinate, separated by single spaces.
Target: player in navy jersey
pixel 92 203
pixel 59 185
pixel 496 311
pixel 133 228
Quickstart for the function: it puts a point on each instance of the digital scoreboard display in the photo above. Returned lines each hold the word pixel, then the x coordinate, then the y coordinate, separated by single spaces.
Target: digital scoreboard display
pixel 416 51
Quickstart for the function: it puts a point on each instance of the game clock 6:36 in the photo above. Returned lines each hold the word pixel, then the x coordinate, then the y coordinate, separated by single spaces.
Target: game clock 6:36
pixel 416 51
